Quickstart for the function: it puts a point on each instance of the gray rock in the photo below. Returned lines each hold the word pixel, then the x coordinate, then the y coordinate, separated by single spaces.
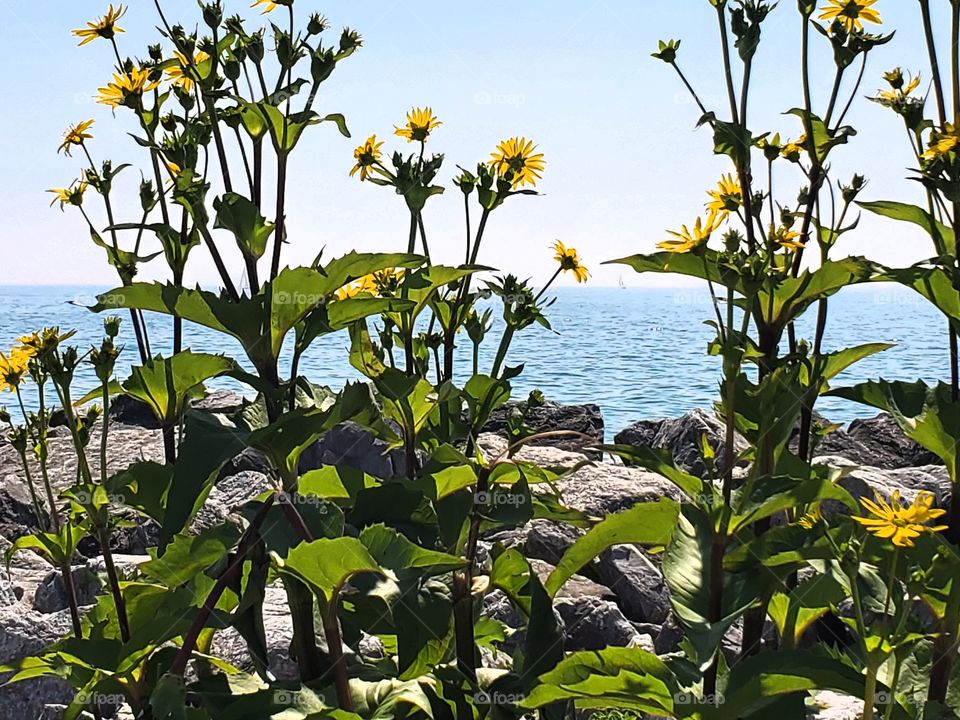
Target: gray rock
pixel 129 411
pixel 249 460
pixel 551 416
pixel 349 445
pixel 539 539
pixel 219 401
pixel 227 496
pixel 24 632
pixel 599 489
pixel 17 517
pixel 877 442
pixel 681 437
pixel 870 481
pixel 590 623
pixel 229 645
pixel 638 584
pixel 576 586
pixel 51 595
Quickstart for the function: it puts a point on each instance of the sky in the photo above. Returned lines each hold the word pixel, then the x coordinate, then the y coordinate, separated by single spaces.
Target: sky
pixel 625 161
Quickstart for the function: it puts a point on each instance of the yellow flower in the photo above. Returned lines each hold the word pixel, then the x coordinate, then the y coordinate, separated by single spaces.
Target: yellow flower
pixel 785 237
pixel 688 240
pixel 811 519
pixel 367 155
pixel 366 284
pixel 570 261
pixel 72 195
pixel 943 142
pixel 851 13
pixel 727 197
pixel 126 86
pixel 40 343
pixel 13 368
pixel 387 282
pixel 792 150
pixel 105 27
pixel 271 5
pixel 76 135
pixel 420 123
pixel 180 75
pixel 515 160
pixel 899 91
pixel 901 524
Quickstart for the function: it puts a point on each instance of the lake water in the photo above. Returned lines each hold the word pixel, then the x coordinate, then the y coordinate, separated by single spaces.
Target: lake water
pixel 637 352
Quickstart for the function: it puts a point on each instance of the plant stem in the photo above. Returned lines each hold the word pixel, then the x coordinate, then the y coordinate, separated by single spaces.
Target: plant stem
pixel 280 229
pixel 179 665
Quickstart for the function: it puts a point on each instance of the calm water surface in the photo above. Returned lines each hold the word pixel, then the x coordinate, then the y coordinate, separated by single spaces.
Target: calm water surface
pixel 638 352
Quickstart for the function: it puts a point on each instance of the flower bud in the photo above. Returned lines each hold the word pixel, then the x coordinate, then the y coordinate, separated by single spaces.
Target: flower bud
pixel 895 78
pixel 156 53
pixel 254 47
pixel 213 14
pixel 317 24
pixel 4 415
pixel 231 68
pixel 851 191
pixel 111 325
pixel 321 65
pixel 667 51
pixel 350 40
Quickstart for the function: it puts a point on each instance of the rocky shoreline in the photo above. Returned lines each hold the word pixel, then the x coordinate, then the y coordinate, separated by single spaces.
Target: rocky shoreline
pixel 620 599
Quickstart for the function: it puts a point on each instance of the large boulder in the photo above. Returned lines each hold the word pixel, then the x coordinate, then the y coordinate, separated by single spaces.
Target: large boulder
pixel 351 446
pixel 51 595
pixel 597 489
pixel 641 591
pixel 126 410
pixel 681 438
pixel 25 632
pixel 223 402
pixel 590 623
pixel 868 482
pixel 230 645
pixel 549 417
pixel 878 442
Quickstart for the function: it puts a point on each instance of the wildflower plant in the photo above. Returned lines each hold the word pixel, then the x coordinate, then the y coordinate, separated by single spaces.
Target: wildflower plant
pixel 220 109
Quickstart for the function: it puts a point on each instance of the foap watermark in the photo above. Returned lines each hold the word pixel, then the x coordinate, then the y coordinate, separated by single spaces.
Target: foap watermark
pixel 689 698
pixel 298 298
pixel 487 697
pixel 98 698
pixel 484 97
pixel 499 499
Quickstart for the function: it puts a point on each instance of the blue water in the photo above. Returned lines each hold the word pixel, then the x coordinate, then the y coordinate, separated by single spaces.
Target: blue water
pixel 638 353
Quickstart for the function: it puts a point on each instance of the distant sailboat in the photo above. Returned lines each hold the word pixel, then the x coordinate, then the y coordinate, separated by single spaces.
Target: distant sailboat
pixel 622 286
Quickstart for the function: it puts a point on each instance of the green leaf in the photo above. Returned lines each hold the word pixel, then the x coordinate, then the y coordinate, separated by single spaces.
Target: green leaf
pixel 209 442
pixel 942 235
pixel 932 280
pixel 927 415
pixel 190 555
pixel 166 384
pixel 325 565
pixel 659 461
pixel 643 524
pixel 393 551
pixel 688 571
pixel 810 600
pixel 242 218
pixel 143 486
pixel 756 682
pixel 772 495
pixel 628 678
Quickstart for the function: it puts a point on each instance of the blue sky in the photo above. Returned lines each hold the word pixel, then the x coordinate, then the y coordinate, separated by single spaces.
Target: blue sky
pixel 624 159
